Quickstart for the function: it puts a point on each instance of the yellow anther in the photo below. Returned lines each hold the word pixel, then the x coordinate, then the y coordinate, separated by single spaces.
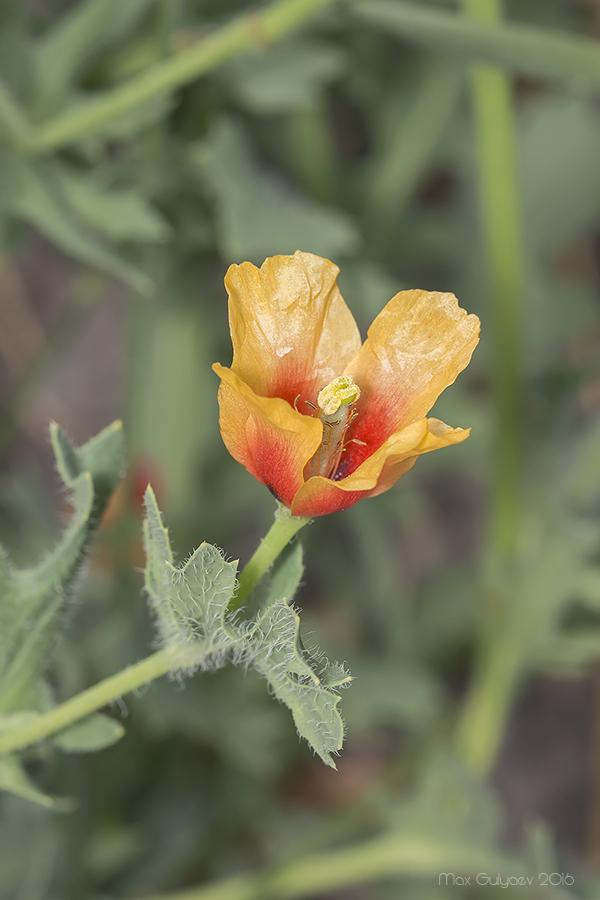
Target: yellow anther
pixel 342 391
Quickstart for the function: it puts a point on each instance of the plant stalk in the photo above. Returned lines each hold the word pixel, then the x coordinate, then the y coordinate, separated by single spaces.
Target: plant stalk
pixel 259 28
pixel 497 671
pixel 160 663
pixel 279 535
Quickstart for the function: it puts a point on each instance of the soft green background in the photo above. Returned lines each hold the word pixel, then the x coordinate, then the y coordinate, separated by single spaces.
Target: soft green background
pixel 360 132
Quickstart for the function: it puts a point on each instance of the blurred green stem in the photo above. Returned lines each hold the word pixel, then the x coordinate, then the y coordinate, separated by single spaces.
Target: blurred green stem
pixel 498 182
pixel 390 855
pixel 170 659
pixel 257 28
pixel 497 672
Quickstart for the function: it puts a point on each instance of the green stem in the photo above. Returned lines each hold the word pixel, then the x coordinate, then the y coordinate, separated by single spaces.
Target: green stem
pixel 497 670
pixel 279 535
pixel 498 180
pixel 391 855
pixel 243 32
pixel 488 702
pixel 90 700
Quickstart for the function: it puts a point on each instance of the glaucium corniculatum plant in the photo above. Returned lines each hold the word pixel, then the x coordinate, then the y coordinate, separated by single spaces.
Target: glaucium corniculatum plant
pixel 316 415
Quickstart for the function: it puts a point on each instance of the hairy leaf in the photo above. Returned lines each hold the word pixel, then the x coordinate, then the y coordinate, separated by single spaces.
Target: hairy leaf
pixel 31 598
pixel 275 650
pixel 191 605
pixel 189 600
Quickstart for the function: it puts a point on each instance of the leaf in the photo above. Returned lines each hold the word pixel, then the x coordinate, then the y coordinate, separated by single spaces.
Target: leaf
pixel 76 41
pixel 14 779
pixel 31 598
pixel 286 76
pixel 571 60
pixel 259 215
pixel 34 194
pixel 93 733
pixel 189 600
pixel 287 573
pixel 122 215
pixel 191 605
pixel 560 146
pixel 274 649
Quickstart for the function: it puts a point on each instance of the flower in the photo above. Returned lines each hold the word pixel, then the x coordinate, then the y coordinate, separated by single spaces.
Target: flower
pixel 317 417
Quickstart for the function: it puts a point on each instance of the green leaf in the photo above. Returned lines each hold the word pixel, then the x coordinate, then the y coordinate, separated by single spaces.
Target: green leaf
pixel 574 61
pixel 77 40
pixel 287 573
pixel 34 194
pixel 94 733
pixel 286 76
pixel 14 779
pixel 257 214
pixel 122 215
pixel 560 147
pixel 274 649
pixel 32 598
pixel 189 600
pixel 191 605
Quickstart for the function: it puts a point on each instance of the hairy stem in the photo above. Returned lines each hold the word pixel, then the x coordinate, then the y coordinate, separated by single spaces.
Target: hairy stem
pixel 245 31
pixel 168 660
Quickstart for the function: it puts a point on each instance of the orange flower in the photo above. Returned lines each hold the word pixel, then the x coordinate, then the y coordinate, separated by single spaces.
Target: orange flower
pixel 318 441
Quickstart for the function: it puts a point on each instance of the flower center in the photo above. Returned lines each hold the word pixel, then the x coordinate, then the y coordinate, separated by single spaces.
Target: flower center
pixel 335 406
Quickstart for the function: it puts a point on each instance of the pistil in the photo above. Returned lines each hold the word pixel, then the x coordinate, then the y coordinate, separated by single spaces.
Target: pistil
pixel 335 405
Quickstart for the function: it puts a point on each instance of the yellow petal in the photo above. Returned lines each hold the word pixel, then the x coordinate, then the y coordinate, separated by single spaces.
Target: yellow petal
pixel 415 348
pixel 320 496
pixel 270 438
pixel 291 330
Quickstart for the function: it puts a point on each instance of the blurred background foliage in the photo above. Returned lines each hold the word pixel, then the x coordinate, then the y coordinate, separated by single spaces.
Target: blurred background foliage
pixel 144 146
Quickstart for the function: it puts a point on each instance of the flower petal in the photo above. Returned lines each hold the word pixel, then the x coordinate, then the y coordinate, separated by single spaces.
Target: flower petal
pixel 291 330
pixel 320 496
pixel 415 348
pixel 266 435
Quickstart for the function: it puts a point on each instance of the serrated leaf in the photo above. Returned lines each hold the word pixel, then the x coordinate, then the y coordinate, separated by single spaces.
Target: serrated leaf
pixel 257 213
pixel 189 600
pixel 276 652
pixel 32 597
pixel 93 733
pixel 191 604
pixel 14 778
